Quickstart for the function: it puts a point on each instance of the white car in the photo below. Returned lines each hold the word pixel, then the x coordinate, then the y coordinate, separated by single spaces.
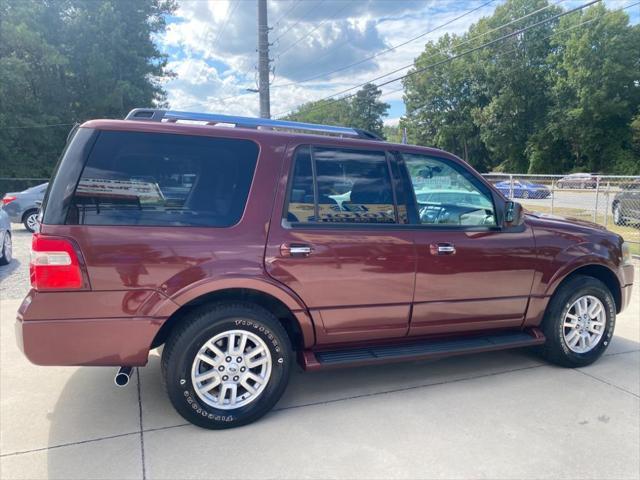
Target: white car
pixel 6 253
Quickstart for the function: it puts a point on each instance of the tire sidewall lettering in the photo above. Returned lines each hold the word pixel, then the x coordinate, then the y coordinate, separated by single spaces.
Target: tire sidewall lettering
pixel 183 383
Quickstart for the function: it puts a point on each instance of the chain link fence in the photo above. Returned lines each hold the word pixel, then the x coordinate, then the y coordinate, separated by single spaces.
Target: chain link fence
pixel 611 201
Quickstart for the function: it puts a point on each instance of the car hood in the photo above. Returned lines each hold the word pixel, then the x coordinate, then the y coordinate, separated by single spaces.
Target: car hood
pixel 560 223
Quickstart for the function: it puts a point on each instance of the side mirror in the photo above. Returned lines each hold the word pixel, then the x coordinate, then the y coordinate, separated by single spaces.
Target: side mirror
pixel 513 214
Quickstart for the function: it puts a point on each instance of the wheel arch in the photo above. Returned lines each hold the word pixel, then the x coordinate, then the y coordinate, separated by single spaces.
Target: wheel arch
pixel 599 272
pixel 296 321
pixel 27 212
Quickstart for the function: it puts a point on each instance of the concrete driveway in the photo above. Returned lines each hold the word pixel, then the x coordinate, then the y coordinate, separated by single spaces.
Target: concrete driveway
pixel 494 415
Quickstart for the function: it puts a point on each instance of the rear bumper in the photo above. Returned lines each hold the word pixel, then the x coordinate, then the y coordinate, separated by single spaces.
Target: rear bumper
pixel 14 211
pixel 85 341
pixel 107 342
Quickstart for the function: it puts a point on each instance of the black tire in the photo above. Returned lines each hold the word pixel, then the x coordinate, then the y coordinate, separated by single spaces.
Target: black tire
pixel 25 219
pixel 199 327
pixel 6 250
pixel 555 348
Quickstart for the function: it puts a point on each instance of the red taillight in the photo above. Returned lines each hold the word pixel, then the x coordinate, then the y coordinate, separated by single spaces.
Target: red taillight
pixel 54 264
pixel 7 199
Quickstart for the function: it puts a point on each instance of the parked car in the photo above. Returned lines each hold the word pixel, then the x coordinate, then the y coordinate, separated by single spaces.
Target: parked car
pixel 626 204
pixel 578 180
pixel 22 207
pixel 6 249
pixel 258 266
pixel 523 189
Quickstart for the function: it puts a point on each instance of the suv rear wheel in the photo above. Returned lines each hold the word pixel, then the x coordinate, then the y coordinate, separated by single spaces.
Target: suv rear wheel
pixel 579 322
pixel 227 365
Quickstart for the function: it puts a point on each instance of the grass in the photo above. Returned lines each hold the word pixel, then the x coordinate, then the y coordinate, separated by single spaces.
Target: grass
pixel 628 232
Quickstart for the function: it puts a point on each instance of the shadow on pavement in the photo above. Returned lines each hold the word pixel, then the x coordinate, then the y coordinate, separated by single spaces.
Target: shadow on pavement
pixel 7 270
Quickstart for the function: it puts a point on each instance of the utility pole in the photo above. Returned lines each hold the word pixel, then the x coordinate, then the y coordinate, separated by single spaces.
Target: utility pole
pixel 263 60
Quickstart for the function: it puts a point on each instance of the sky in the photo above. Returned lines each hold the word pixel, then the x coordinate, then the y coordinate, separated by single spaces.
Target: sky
pixel 319 48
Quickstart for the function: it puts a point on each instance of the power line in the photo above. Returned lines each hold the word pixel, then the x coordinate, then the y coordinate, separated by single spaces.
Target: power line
pixel 469 40
pixel 302 17
pixel 447 23
pixel 388 49
pixel 347 5
pixel 295 5
pixel 573 27
pixel 224 24
pixel 449 59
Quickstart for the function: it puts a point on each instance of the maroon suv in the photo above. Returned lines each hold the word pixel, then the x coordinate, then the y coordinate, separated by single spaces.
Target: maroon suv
pixel 242 250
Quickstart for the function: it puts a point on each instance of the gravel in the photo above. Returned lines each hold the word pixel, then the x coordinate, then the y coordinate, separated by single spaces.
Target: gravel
pixel 14 278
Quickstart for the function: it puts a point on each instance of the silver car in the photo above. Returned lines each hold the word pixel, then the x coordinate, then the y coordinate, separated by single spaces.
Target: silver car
pixel 22 207
pixel 6 253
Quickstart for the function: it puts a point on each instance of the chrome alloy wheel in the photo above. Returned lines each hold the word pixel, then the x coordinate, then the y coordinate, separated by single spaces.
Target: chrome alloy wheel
pixel 231 369
pixel 32 222
pixel 584 324
pixel 7 248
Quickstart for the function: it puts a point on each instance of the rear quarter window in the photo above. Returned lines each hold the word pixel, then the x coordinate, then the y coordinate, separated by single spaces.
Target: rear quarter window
pixel 134 178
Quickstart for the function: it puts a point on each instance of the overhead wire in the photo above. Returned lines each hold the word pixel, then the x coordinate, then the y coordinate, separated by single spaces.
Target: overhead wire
pixel 230 11
pixel 451 58
pixel 390 49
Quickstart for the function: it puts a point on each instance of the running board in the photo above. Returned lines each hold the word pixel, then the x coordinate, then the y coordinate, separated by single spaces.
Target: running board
pixel 426 349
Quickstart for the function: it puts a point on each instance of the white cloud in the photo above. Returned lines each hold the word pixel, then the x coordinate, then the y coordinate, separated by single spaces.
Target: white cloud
pixel 392 122
pixel 212 48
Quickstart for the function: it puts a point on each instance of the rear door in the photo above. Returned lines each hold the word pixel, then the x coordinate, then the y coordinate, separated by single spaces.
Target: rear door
pixel 336 239
pixel 471 275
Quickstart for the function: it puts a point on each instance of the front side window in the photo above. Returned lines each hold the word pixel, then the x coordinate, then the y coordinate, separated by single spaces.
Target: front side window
pixel 134 178
pixel 331 185
pixel 447 194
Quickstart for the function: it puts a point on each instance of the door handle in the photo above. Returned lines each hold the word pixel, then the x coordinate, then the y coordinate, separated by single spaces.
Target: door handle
pixel 295 250
pixel 442 249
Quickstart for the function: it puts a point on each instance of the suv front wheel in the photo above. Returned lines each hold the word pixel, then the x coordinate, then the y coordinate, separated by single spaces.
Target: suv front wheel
pixel 579 322
pixel 227 365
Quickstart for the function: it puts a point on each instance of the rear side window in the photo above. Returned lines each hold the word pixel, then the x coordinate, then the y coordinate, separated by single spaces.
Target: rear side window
pixel 134 178
pixel 331 185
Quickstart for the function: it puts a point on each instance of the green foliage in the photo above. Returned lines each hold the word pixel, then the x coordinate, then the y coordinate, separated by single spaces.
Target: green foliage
pixel 66 61
pixel 392 134
pixel 364 110
pixel 537 102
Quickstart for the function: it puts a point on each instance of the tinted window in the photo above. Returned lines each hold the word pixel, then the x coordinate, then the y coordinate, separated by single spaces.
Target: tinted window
pixel 447 194
pixel 136 178
pixel 340 186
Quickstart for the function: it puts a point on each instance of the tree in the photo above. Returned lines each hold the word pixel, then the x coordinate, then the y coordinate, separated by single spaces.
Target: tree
pixel 440 102
pixel 66 61
pixel 595 93
pixel 364 110
pixel 326 112
pixel 558 97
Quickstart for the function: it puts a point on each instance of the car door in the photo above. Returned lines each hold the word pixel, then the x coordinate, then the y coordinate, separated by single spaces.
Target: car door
pixel 471 274
pixel 335 240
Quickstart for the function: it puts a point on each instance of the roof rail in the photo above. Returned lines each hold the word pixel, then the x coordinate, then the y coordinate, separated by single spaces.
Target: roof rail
pixel 157 115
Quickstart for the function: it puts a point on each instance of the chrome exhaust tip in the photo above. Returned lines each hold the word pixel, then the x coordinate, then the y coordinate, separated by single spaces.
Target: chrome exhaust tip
pixel 122 376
